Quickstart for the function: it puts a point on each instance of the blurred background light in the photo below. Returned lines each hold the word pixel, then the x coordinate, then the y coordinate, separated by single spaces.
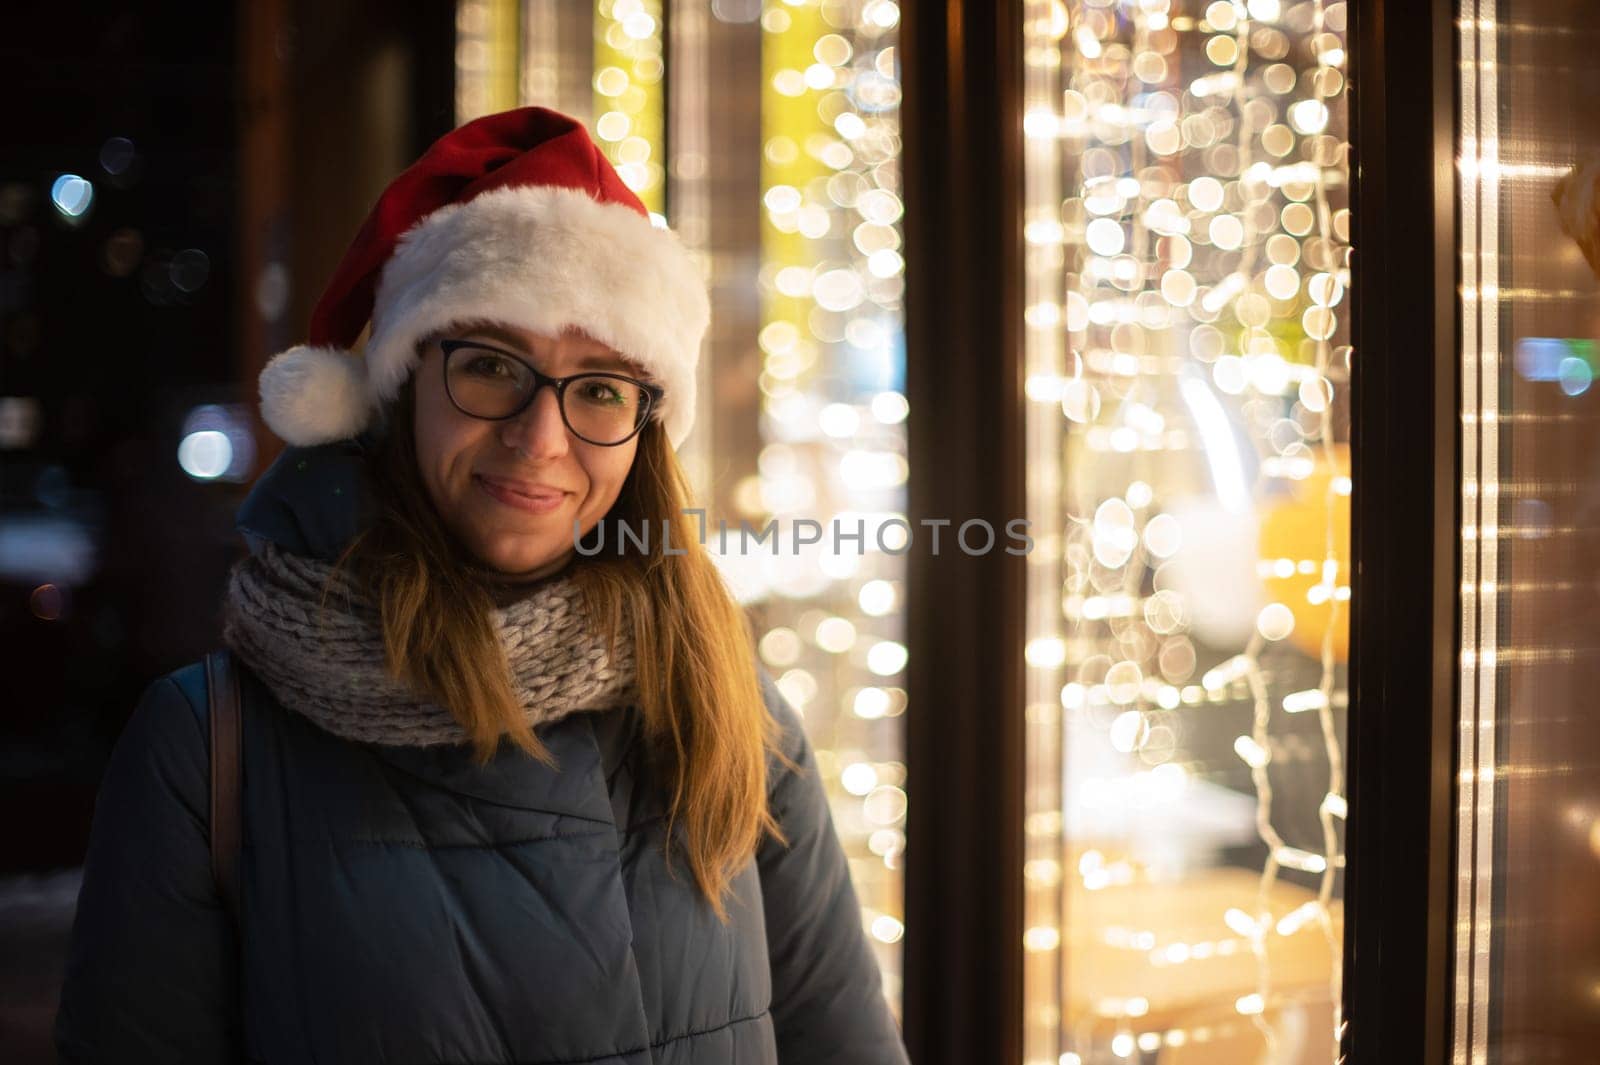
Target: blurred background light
pixel 72 196
pixel 217 443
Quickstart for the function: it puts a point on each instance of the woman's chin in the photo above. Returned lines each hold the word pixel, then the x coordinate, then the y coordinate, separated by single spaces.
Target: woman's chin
pixel 522 559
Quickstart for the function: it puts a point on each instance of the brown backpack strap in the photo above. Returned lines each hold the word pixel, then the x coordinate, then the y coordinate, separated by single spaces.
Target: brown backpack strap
pixel 222 694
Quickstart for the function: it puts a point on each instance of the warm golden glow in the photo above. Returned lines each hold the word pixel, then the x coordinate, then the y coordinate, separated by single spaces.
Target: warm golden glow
pixel 1185 237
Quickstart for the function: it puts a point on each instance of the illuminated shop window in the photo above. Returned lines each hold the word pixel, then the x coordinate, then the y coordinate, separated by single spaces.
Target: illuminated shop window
pixel 832 416
pixel 1189 485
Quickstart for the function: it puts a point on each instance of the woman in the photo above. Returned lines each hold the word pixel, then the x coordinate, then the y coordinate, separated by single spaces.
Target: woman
pixel 503 800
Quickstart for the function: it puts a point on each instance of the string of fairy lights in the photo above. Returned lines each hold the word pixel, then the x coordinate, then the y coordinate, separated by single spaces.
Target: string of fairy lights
pixel 832 403
pixel 1186 262
pixel 630 96
pixel 486 57
pixel 833 407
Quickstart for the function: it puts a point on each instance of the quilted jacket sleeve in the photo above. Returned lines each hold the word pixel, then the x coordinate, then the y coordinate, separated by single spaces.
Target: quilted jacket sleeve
pixel 151 976
pixel 827 993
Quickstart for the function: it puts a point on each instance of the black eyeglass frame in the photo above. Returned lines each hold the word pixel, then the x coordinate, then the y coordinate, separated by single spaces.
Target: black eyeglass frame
pixel 653 391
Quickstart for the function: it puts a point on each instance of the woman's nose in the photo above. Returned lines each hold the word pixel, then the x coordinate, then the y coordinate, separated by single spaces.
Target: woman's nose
pixel 538 431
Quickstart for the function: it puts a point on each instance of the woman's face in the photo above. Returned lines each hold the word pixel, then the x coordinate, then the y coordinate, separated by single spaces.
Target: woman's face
pixel 511 490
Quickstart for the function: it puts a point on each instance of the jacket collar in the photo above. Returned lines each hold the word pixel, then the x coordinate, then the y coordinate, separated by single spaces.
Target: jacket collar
pixel 312 501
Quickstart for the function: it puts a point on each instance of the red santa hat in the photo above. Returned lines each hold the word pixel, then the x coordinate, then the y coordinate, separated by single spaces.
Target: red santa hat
pixel 514 218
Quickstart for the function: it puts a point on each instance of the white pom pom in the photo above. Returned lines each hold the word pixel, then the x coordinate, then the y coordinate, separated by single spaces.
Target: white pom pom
pixel 313 396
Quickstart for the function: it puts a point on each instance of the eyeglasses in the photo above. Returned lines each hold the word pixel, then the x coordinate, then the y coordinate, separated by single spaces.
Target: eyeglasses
pixel 605 409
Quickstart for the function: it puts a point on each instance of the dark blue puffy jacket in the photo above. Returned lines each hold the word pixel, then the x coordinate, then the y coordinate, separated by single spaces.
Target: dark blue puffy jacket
pixel 404 905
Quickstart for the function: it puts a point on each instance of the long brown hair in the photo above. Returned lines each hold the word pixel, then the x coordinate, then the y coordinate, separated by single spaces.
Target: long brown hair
pixel 699 692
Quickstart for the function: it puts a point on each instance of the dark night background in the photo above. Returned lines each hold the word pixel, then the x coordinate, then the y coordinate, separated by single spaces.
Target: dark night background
pixel 230 150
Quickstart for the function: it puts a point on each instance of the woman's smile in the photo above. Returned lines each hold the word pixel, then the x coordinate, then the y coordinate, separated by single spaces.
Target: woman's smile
pixel 521 495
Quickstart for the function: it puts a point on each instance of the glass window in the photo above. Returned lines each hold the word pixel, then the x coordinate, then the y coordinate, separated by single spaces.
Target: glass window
pixel 1186 235
pixel 1528 826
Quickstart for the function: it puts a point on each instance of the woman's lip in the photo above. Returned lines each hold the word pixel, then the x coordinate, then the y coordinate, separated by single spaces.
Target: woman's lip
pixel 542 502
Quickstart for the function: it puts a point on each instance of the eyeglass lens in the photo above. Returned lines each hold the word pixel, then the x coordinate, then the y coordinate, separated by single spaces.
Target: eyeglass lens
pixel 599 408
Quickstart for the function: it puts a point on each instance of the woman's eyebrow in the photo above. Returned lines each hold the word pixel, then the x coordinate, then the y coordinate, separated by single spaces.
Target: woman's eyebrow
pixel 609 360
pixel 605 360
pixel 499 336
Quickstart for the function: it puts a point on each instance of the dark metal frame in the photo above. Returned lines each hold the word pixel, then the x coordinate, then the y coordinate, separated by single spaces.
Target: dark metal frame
pixel 962 123
pixel 1405 446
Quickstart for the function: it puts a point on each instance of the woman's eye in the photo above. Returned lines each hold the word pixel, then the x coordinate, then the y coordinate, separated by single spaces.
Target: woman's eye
pixel 488 366
pixel 599 392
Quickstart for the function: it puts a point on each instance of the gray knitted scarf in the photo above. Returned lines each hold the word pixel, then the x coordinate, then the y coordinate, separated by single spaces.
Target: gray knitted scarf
pixel 322 655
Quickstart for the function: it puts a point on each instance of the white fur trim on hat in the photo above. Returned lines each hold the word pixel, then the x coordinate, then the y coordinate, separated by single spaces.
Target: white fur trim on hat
pixel 541 258
pixel 313 395
pixel 545 259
